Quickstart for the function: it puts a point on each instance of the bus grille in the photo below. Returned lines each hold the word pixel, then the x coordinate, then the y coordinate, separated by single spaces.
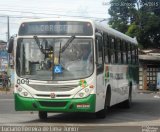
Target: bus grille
pixel 52 104
pixel 53 87
pixel 48 95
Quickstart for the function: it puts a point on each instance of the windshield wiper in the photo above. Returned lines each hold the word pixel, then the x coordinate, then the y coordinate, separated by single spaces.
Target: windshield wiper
pixel 67 43
pixel 38 44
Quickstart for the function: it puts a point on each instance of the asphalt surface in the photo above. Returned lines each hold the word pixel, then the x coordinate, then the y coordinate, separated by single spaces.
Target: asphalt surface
pixel 143 116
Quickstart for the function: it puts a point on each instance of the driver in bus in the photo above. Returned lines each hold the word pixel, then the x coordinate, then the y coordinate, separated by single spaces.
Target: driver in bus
pixel 87 57
pixel 87 54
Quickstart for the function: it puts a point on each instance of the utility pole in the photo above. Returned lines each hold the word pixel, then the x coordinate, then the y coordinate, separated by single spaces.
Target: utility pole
pixel 8 36
pixel 8 32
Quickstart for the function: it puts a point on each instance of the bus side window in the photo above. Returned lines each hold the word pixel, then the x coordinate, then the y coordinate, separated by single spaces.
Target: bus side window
pixel 116 50
pixel 133 54
pixel 126 48
pixel 107 57
pixel 121 52
pixel 124 52
pixel 112 49
pixel 129 53
pixel 99 54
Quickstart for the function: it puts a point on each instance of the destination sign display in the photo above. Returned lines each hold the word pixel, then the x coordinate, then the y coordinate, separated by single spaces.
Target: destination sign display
pixel 56 28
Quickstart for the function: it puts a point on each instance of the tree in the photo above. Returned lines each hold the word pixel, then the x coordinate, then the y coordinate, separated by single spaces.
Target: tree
pixel 121 14
pixel 137 18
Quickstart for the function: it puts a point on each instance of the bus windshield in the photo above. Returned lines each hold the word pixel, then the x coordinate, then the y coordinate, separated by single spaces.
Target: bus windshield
pixel 51 59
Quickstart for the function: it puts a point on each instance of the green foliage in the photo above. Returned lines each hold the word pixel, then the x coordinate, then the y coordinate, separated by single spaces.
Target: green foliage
pixel 133 30
pixel 137 18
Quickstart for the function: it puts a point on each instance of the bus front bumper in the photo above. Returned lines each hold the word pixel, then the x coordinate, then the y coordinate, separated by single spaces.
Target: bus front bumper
pixel 55 105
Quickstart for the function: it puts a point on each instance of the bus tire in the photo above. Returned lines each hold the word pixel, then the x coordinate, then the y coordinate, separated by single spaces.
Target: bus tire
pixel 102 113
pixel 128 102
pixel 42 115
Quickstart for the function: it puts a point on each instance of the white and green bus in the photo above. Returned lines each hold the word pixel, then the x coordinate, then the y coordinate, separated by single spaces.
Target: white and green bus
pixel 72 65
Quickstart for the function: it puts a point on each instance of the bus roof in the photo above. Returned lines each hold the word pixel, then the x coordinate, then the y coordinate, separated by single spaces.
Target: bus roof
pixel 115 33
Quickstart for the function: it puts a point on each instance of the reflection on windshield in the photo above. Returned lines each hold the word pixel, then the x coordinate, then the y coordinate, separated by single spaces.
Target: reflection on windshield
pixel 75 62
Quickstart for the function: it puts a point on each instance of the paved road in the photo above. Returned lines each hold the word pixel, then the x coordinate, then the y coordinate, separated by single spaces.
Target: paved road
pixel 145 111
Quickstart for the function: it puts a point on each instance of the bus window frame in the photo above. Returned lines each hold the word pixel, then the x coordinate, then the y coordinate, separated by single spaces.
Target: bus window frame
pixel 112 50
pixel 116 50
pixel 121 51
pixel 126 50
pixel 107 57
pixel 100 67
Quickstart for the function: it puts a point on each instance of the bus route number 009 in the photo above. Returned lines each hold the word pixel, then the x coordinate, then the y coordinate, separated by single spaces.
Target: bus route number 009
pixel 22 81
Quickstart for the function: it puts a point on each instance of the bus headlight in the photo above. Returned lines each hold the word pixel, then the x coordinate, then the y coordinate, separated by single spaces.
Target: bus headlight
pixel 83 93
pixel 86 90
pixel 23 92
pixel 19 89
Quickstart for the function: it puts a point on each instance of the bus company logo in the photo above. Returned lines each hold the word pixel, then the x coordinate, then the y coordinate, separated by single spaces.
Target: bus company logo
pixel 52 95
pixel 83 83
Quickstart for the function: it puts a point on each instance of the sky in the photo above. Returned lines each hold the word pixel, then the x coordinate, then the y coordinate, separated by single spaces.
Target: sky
pixel 17 10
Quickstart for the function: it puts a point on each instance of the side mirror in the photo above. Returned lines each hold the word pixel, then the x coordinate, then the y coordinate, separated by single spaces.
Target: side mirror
pixel 10 45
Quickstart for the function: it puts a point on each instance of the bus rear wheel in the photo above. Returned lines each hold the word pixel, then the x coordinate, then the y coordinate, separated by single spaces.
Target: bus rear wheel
pixel 128 102
pixel 42 115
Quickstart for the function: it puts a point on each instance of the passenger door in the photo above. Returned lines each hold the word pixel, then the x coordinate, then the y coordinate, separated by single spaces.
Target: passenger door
pixel 100 89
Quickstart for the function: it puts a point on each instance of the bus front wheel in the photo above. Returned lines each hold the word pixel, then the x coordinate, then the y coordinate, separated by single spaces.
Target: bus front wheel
pixel 42 115
pixel 102 113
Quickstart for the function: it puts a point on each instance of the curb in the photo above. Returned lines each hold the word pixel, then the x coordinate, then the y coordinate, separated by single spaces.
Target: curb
pixel 147 91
